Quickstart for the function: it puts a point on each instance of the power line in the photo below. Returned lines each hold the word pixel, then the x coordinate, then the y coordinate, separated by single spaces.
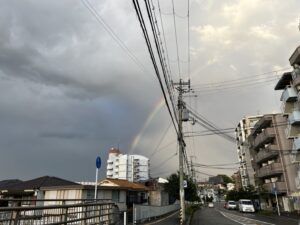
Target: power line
pixel 160 52
pixel 164 36
pixel 146 36
pixel 175 29
pixel 168 159
pixel 115 37
pixel 209 125
pixel 160 141
pixel 251 77
pixel 189 52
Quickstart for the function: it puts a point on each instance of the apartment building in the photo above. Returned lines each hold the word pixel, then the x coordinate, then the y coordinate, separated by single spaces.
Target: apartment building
pixel 127 167
pixel 289 84
pixel 242 131
pixel 271 162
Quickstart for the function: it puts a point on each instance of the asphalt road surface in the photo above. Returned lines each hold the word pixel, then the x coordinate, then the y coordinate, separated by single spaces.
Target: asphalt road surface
pixel 220 216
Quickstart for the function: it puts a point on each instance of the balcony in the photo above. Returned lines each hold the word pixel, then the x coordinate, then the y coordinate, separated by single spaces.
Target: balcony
pixel 295 57
pixel 272 148
pixel 109 173
pixel 270 170
pixel 264 137
pixel 295 154
pixel 289 95
pixel 280 187
pixel 296 82
pixel 292 131
pixel 265 155
pixel 287 107
pixel 294 118
pixel 265 121
pixel 297 182
pixel 109 167
pixel 243 173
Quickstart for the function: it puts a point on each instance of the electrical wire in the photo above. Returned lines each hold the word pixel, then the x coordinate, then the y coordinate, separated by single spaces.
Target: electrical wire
pixel 249 77
pixel 163 163
pixel 176 41
pixel 115 37
pixel 146 36
pixel 209 125
pixel 161 140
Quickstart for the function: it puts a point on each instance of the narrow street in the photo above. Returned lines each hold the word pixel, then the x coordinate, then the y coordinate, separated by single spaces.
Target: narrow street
pixel 220 216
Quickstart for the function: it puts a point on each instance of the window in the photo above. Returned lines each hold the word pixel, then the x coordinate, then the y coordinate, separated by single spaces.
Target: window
pixel 115 196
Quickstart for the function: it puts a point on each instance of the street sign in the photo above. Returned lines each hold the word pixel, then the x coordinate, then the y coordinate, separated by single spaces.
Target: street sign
pixel 98 162
pixel 184 184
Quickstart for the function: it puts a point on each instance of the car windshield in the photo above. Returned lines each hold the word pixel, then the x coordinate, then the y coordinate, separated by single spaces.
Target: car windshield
pixel 231 203
pixel 246 202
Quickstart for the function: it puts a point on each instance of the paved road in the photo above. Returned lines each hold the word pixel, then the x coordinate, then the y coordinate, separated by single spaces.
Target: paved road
pixel 172 219
pixel 220 216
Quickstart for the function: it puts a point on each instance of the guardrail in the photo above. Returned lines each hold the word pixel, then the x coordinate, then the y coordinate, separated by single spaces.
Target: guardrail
pixel 91 213
pixel 144 212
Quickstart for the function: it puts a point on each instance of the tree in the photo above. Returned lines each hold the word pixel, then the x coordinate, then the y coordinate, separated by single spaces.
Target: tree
pixel 226 179
pixel 249 193
pixel 173 188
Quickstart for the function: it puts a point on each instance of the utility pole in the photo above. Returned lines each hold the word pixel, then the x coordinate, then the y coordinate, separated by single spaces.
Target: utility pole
pixel 193 169
pixel 182 117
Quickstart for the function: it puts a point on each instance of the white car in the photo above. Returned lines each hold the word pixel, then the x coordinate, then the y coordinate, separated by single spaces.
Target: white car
pixel 231 205
pixel 210 205
pixel 246 205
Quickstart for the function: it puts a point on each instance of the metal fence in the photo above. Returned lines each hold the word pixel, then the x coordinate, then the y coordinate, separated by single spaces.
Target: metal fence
pixel 144 212
pixel 91 213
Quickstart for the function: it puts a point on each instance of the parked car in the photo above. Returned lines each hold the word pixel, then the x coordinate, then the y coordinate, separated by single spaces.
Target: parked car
pixel 210 205
pixel 231 205
pixel 246 205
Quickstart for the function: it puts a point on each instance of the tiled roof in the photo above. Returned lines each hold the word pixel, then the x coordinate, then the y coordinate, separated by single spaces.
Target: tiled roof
pixel 5 184
pixel 125 184
pixel 40 182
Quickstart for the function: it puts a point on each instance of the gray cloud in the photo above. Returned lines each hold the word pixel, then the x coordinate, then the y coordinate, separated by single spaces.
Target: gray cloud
pixel 68 92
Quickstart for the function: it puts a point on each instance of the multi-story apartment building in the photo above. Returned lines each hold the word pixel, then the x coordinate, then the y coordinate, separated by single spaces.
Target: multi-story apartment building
pixel 242 132
pixel 127 167
pixel 270 147
pixel 237 180
pixel 289 83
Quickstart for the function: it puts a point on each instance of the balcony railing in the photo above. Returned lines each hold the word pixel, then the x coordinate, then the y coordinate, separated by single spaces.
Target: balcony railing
pixel 270 170
pixel 292 131
pixel 264 137
pixel 262 123
pixel 279 186
pixel 287 107
pixel 264 155
pixel 296 81
pixel 289 95
pixel 294 118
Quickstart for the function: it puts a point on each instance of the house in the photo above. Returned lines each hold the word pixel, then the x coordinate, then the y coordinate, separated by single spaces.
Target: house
pixel 31 191
pixel 123 192
pixel 157 194
pixel 49 190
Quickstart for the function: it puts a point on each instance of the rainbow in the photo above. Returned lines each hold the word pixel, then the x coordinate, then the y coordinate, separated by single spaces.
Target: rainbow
pixel 157 107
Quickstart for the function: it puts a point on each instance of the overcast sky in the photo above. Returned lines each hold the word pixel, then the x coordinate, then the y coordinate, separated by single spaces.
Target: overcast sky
pixel 69 92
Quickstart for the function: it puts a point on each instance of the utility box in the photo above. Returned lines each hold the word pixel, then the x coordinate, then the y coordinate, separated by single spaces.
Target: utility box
pixel 185 115
pixel 295 58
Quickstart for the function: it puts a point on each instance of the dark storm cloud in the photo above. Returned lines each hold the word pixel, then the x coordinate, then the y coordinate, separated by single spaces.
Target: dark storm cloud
pixel 68 92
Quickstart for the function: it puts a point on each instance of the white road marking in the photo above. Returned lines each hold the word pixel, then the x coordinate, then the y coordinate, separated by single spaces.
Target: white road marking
pixel 244 220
